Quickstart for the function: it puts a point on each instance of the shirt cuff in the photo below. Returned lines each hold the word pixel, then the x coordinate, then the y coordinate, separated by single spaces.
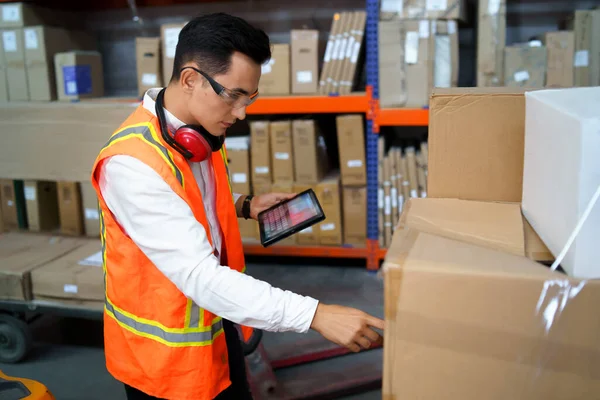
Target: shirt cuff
pixel 236 197
pixel 304 312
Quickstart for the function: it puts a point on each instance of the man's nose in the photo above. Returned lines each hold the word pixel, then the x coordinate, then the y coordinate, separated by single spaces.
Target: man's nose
pixel 239 113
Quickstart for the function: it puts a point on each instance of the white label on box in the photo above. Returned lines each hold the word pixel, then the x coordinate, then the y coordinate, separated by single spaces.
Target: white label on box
pixel 437 5
pixel 304 76
pixel 494 7
pixel 394 195
pixel 71 87
pixel 413 193
pixel 582 58
pixel 70 288
pixel 95 260
pixel 239 178
pixel 350 47
pixel 261 170
pixel 328 50
pixel 171 39
pixel 393 6
pixel 388 205
pixel 336 48
pixel 149 79
pixel 380 196
pixel 342 53
pixel 328 227
pixel 31 39
pixel 355 163
pixel 400 202
pixel 415 12
pixel 266 68
pixel 424 29
pixel 307 230
pixel 411 48
pixel 10 203
pixel 282 156
pixel 535 43
pixel 355 52
pixel 451 27
pixel 11 13
pixel 521 76
pixel 423 194
pixel 29 193
pixel 92 213
pixel 9 38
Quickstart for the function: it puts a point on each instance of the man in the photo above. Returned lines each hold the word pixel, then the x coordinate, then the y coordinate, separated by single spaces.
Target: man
pixel 173 258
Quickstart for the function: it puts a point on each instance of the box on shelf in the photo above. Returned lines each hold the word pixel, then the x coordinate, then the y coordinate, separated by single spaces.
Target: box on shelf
pixel 238 155
pixel 310 235
pixel 22 253
pixel 424 9
pixel 491 39
pixel 20 14
pixel 275 77
pixel 587 47
pixel 310 153
pixel 14 57
pixel 353 51
pixel 418 56
pixel 75 275
pixel 14 211
pixel 392 65
pixel 91 214
pixel 561 50
pixel 148 63
pixel 355 219
pixel 561 173
pixel 260 152
pixel 446 61
pixel 332 80
pixel 41 199
pixel 351 143
pixel 79 75
pixel 328 193
pixel 3 72
pixel 305 65
pixel 282 155
pixel 69 206
pixel 169 34
pixel 525 66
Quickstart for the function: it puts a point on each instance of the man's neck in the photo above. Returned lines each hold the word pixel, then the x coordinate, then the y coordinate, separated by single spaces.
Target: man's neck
pixel 175 103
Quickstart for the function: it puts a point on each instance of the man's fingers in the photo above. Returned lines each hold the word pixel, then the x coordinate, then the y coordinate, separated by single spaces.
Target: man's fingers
pixel 371 334
pixel 354 347
pixel 376 322
pixel 364 342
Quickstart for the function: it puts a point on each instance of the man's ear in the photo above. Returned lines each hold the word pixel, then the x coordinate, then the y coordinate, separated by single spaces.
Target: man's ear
pixel 188 80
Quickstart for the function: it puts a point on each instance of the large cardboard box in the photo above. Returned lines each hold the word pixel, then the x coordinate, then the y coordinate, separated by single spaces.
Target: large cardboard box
pixel 91 213
pixel 351 143
pixel 14 211
pixel 491 39
pixel 275 77
pixel 392 65
pixel 500 325
pixel 76 275
pixel 424 9
pixel 587 47
pixel 14 57
pixel 79 75
pixel 305 64
pixel 525 66
pixel 238 155
pixel 561 50
pixel 41 200
pixel 3 81
pixel 22 253
pixel 328 193
pixel 310 235
pixel 562 173
pixel 148 63
pixel 355 216
pixel 260 153
pixel 169 34
pixel 282 155
pixel 310 152
pixel 476 142
pixel 70 209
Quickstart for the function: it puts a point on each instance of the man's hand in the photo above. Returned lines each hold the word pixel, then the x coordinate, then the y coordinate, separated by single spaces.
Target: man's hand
pixel 347 327
pixel 264 201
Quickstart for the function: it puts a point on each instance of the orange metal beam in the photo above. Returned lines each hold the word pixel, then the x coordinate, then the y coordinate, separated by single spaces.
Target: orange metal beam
pixel 403 117
pixel 305 251
pixel 355 103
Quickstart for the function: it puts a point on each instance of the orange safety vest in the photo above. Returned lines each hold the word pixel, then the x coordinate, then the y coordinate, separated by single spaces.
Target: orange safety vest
pixel 157 339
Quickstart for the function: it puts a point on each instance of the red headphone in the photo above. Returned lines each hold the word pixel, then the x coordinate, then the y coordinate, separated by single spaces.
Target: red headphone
pixel 193 141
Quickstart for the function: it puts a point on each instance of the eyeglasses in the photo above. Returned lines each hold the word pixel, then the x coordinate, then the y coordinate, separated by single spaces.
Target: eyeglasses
pixel 233 98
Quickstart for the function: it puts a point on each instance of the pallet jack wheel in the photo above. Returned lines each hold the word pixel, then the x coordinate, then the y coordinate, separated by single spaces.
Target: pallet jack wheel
pixel 15 339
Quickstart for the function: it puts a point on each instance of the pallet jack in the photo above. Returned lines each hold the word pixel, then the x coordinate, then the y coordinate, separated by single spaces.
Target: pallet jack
pixel 22 389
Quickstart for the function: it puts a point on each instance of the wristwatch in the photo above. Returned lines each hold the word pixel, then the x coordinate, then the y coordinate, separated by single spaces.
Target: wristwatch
pixel 246 206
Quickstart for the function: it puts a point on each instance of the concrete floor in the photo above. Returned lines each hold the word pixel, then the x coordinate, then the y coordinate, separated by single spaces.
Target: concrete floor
pixel 68 355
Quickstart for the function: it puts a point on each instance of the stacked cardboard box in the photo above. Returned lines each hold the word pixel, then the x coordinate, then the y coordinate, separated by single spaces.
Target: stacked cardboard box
pixel 491 40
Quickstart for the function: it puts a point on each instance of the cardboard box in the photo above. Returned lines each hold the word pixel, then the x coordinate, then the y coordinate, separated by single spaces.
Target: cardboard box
pixel 20 14
pixel 310 235
pixel 275 77
pixel 282 155
pixel 238 154
pixel 525 66
pixel 587 48
pixel 561 50
pixel 3 71
pixel 148 63
pixel 169 34
pixel 424 9
pixel 14 57
pixel 76 275
pixel 328 193
pixel 446 59
pixel 260 152
pixel 351 144
pixel 392 65
pixel 355 220
pixel 22 253
pixel 476 142
pixel 41 200
pixel 461 343
pixel 561 173
pixel 353 51
pixel 491 39
pixel 305 65
pixel 419 45
pixel 69 206
pixel 337 56
pixel 333 40
pixel 310 153
pixel 91 214
pixel 79 75
pixel 14 211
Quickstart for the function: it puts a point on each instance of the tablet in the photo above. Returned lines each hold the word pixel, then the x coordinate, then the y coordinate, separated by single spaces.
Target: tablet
pixel 288 217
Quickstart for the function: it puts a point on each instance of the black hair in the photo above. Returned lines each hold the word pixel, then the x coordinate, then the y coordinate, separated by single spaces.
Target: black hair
pixel 210 40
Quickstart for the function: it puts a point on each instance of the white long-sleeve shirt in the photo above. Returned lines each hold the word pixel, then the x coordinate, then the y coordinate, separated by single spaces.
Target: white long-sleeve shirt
pixel 165 229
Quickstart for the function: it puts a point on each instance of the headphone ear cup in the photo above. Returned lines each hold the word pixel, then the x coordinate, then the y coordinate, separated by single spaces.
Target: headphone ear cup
pixel 194 142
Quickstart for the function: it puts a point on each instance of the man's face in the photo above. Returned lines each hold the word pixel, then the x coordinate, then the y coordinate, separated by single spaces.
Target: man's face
pixel 215 112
